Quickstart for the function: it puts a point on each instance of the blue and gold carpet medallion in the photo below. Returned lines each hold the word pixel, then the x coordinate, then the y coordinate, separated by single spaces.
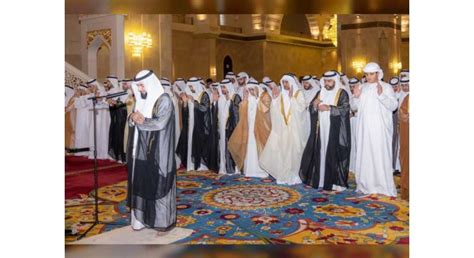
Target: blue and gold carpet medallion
pixel 251 197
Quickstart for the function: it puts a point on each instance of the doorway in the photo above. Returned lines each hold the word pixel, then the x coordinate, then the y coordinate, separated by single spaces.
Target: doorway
pixel 227 64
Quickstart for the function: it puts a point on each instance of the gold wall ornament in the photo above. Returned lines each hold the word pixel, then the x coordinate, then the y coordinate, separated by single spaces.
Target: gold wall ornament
pixel 72 80
pixel 332 30
pixel 138 42
pixel 105 33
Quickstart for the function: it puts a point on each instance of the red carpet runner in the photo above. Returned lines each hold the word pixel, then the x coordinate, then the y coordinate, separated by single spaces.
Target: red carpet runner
pixel 79 174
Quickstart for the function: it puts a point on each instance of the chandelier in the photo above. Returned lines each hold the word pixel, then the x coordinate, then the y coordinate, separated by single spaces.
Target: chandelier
pixel 138 42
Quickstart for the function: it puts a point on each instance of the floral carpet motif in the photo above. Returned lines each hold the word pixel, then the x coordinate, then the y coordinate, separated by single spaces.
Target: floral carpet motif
pixel 240 210
pixel 250 197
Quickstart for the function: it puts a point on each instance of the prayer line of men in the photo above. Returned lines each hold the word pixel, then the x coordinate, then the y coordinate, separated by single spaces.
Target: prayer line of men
pixel 259 129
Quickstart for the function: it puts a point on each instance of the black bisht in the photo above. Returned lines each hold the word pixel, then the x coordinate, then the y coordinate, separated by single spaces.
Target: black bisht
pixel 152 173
pixel 182 148
pixel 118 119
pixel 338 149
pixel 201 145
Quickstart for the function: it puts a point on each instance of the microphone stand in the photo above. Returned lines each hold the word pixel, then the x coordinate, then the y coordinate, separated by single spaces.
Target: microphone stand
pixel 96 220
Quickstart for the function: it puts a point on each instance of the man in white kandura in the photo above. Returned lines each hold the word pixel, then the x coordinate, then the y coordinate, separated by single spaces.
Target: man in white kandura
pixel 271 84
pixel 375 102
pixel 353 83
pixel 242 79
pixel 251 166
pixel 281 157
pixel 83 119
pixel 310 88
pixel 102 121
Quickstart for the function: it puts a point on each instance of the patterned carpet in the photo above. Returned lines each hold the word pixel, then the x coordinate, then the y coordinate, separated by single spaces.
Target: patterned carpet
pixel 241 210
pixel 79 175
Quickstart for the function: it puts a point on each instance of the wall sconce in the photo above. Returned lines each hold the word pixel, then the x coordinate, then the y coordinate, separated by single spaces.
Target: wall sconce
pixel 396 66
pixel 315 32
pixel 257 21
pixel 213 72
pixel 358 65
pixel 201 17
pixel 138 42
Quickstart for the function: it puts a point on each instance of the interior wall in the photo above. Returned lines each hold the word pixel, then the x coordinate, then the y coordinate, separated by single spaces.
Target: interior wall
pixel 375 43
pixel 73 40
pixel 405 54
pixel 246 57
pixel 257 58
pixel 190 55
pixel 281 58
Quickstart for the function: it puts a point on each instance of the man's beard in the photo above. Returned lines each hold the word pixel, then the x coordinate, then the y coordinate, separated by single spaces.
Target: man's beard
pixel 308 87
pixel 329 87
pixel 143 94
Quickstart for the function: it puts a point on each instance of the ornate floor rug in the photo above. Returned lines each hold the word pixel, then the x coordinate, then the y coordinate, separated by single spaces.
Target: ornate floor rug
pixel 241 210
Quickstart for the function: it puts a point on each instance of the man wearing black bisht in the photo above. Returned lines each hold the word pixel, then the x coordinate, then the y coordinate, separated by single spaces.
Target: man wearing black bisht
pixel 182 147
pixel 213 163
pixel 325 161
pixel 395 82
pixel 118 117
pixel 228 118
pixel 151 160
pixel 201 152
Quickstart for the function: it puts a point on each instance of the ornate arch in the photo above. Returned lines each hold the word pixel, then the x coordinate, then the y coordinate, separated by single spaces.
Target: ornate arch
pixel 103 30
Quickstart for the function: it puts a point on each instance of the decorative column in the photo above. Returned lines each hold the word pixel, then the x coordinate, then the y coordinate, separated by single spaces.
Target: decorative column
pixel 165 46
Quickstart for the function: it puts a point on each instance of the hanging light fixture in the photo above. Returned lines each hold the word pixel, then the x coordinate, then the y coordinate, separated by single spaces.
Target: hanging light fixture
pixel 138 42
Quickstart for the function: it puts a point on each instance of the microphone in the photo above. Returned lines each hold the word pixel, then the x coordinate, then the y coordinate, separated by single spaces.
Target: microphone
pixel 109 96
pixel 118 94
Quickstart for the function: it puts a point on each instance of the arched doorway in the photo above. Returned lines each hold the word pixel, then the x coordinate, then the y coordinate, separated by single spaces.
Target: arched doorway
pixel 109 28
pixel 103 62
pixel 98 56
pixel 227 64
